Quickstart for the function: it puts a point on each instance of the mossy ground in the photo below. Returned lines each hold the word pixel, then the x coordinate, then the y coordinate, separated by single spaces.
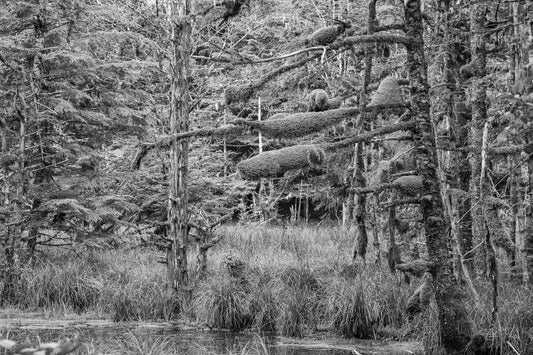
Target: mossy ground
pixel 297 281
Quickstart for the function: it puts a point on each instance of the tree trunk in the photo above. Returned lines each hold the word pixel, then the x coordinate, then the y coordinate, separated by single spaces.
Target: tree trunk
pixel 455 327
pixel 513 192
pixel 179 122
pixel 360 202
pixel 479 116
pixel 528 242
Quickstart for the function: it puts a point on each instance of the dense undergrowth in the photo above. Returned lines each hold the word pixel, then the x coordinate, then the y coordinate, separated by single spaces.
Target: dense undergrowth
pixel 294 281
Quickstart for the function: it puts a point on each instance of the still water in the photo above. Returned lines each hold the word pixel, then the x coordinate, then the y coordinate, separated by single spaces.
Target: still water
pixel 151 339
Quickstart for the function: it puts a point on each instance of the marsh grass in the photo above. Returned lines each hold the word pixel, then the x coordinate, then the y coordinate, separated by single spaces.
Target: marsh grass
pixel 296 280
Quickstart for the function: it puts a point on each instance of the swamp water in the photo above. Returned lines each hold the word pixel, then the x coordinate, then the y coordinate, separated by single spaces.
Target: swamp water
pixel 103 337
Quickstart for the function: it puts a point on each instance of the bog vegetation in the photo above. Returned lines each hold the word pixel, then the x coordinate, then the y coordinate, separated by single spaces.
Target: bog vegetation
pixel 291 167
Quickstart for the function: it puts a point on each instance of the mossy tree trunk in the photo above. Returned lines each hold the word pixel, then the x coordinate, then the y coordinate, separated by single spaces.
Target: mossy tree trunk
pixel 359 180
pixel 479 116
pixel 514 200
pixel 455 327
pixel 528 242
pixel 180 24
pixel 458 116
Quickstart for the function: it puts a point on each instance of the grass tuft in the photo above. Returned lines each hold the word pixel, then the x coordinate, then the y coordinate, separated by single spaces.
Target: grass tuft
pixel 223 303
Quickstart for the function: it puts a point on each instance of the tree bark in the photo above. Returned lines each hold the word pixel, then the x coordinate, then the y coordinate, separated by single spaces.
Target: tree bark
pixel 179 122
pixel 455 327
pixel 479 116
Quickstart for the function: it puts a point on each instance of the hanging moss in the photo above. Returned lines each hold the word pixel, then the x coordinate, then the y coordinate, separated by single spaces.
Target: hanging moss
pixel 410 185
pixel 277 162
pixel 301 124
pixel 388 92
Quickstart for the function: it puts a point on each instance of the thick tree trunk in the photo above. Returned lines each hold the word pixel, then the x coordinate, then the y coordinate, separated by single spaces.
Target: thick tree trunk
pixel 179 122
pixel 455 327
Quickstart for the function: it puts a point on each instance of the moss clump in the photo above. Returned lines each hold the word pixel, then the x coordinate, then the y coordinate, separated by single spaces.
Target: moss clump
pixel 401 226
pixel 326 35
pixel 277 162
pixel 334 103
pixel 388 93
pixel 302 124
pixel 316 157
pixel 279 115
pixel 236 94
pixel 318 101
pixel 55 37
pixel 410 185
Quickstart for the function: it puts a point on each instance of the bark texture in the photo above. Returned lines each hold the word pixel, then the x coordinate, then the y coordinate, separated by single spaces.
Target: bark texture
pixel 455 327
pixel 479 116
pixel 179 122
pixel 359 180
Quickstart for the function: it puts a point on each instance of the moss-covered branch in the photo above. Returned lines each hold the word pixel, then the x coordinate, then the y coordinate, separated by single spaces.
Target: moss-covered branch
pixel 403 202
pixel 276 162
pixel 393 26
pixel 379 38
pixel 304 123
pixel 365 137
pixel 416 267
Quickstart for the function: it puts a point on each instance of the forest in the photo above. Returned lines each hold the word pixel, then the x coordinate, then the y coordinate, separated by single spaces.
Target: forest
pixel 356 174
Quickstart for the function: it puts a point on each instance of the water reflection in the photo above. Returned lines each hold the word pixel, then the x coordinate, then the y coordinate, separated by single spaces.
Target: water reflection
pixel 134 339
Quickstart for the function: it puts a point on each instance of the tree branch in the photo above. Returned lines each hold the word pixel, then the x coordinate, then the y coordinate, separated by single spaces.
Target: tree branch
pixel 365 137
pixel 378 37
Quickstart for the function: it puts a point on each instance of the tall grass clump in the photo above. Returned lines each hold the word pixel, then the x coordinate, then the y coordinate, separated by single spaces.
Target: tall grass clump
pixel 264 304
pixel 347 307
pixel 223 302
pixel 65 284
pixel 141 300
pixel 299 292
pixel 513 331
pixel 136 290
